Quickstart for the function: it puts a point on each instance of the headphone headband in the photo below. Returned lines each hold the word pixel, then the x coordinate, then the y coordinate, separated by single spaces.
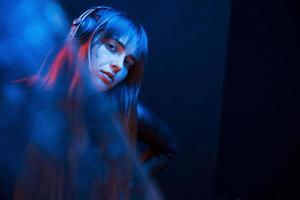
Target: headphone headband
pixel 84 24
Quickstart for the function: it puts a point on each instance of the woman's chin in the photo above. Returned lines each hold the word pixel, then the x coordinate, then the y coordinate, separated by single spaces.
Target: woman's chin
pixel 100 85
pixel 103 87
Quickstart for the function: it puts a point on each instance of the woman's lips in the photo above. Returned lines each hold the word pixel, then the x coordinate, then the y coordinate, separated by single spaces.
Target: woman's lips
pixel 108 74
pixel 106 77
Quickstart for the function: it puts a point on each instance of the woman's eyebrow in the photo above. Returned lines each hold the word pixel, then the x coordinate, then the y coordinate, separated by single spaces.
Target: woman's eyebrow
pixel 120 43
pixel 123 48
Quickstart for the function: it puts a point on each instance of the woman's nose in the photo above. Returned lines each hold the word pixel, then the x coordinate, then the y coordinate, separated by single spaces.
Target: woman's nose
pixel 115 67
pixel 117 64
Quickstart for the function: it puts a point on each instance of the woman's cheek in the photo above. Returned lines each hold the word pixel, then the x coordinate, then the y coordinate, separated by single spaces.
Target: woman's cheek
pixel 123 76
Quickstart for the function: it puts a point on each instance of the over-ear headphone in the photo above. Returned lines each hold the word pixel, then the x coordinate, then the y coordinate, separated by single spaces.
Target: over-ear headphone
pixel 83 26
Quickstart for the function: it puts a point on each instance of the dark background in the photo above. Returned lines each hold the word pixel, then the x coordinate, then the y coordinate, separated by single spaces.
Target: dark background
pixel 222 74
pixel 259 143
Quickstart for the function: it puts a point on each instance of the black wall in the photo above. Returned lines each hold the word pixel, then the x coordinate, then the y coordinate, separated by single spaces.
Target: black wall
pixel 259 143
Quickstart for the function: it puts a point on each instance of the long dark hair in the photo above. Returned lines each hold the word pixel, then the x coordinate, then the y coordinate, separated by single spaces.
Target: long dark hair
pixel 111 23
pixel 66 73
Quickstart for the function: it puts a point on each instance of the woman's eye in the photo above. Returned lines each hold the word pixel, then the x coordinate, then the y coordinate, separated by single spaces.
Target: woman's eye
pixel 111 47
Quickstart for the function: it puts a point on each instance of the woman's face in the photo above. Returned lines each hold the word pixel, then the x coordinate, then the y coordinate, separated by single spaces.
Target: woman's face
pixel 110 62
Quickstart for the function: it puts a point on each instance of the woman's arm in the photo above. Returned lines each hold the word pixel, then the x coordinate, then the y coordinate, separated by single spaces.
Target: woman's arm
pixel 158 144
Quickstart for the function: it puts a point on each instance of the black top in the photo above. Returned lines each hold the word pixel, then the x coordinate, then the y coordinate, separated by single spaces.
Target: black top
pixel 157 142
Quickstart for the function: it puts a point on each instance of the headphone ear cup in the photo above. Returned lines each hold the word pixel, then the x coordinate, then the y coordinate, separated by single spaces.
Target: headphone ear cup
pixel 85 28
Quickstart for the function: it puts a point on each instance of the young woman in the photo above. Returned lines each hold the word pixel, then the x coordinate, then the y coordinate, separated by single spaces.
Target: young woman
pixel 92 88
pixel 114 49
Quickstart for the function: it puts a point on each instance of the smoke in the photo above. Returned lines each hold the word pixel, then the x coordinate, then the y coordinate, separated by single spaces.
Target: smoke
pixel 51 146
pixel 29 29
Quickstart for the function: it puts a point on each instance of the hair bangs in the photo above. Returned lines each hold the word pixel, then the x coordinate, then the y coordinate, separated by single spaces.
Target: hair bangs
pixel 135 36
